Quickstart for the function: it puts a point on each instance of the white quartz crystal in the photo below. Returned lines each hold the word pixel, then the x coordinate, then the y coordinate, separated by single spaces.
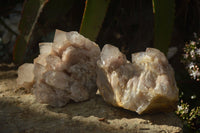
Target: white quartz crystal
pixel 71 66
pixel 25 75
pixel 64 70
pixel 46 48
pixel 146 85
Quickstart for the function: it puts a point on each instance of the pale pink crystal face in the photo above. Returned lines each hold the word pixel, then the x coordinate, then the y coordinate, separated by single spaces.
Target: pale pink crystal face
pixel 25 75
pixel 146 85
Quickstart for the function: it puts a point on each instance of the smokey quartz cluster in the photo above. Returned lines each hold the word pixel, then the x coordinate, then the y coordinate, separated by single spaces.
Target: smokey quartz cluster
pixel 64 70
pixel 145 85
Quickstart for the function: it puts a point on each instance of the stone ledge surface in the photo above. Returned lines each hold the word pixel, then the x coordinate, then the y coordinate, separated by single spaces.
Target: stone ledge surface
pixel 19 112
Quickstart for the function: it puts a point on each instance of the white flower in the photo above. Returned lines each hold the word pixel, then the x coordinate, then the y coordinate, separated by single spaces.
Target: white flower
pixel 192 43
pixel 179 107
pixel 197 51
pixel 191 65
pixel 186 110
pixel 194 73
pixel 192 54
pixel 193 96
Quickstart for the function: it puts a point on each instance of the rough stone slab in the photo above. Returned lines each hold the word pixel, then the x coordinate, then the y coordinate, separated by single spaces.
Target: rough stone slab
pixel 19 112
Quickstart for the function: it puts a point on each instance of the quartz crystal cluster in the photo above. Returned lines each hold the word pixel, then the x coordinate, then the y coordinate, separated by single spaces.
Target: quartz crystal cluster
pixel 64 70
pixel 72 67
pixel 146 85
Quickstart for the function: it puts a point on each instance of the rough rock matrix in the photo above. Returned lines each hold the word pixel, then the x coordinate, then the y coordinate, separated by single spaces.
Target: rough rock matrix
pixel 64 70
pixel 146 85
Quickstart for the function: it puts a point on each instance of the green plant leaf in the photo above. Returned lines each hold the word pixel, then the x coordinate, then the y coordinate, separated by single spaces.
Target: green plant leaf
pixel 164 14
pixel 30 15
pixel 94 13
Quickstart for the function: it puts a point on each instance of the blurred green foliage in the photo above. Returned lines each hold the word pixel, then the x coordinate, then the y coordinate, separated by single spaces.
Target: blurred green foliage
pixel 92 19
pixel 95 11
pixel 191 115
pixel 164 14
pixel 30 15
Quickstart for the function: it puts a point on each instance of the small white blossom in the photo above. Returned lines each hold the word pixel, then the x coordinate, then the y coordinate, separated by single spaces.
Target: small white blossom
pixel 192 43
pixel 192 54
pixel 197 51
pixel 193 96
pixel 179 107
pixel 191 65
pixel 194 73
pixel 186 110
